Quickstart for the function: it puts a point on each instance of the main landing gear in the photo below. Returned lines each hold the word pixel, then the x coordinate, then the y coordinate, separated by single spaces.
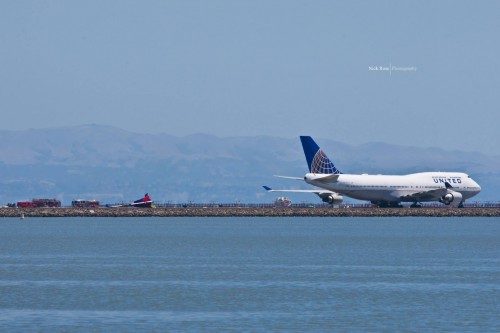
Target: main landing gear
pixel 387 204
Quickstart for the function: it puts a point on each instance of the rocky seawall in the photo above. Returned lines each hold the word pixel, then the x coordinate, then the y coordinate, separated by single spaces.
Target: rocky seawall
pixel 249 212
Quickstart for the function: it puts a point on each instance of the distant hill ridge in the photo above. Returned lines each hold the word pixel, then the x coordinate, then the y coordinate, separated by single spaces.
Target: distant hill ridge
pixel 111 164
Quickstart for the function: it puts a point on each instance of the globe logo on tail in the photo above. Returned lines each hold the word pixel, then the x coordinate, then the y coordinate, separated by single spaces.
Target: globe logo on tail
pixel 322 164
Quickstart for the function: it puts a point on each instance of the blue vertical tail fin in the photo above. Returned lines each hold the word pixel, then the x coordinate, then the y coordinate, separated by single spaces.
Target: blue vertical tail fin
pixel 317 161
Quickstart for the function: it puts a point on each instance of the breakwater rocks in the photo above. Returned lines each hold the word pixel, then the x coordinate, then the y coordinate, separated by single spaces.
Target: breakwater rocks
pixel 249 212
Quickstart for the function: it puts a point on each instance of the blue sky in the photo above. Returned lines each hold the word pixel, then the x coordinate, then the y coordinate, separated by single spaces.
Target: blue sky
pixel 281 68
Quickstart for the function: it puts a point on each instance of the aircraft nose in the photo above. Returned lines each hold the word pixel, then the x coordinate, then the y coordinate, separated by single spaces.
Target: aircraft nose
pixel 478 187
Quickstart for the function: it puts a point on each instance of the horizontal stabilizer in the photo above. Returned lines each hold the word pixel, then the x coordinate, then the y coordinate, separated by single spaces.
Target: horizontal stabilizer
pixel 286 177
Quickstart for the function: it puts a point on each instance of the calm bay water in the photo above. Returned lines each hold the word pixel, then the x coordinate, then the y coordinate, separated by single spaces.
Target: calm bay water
pixel 250 274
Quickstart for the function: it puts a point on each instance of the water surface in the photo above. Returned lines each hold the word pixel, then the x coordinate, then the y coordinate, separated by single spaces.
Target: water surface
pixel 250 274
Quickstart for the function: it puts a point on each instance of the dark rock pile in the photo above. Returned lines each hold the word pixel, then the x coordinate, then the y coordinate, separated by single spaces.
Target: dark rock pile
pixel 249 212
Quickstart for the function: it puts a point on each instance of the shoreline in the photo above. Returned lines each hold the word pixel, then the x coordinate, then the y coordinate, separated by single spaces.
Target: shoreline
pixel 249 212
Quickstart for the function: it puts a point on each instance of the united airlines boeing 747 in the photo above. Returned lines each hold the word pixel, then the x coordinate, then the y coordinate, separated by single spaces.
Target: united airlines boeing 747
pixel 449 188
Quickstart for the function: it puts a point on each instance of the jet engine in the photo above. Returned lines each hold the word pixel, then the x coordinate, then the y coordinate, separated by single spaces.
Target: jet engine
pixel 332 199
pixel 452 198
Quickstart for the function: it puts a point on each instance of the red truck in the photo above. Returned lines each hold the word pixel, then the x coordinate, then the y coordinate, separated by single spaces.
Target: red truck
pixel 25 204
pixel 36 203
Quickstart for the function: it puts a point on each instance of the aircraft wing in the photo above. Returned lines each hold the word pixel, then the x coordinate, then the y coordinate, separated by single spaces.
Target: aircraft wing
pixel 325 195
pixel 268 189
pixel 132 204
pixel 426 195
pixel 141 202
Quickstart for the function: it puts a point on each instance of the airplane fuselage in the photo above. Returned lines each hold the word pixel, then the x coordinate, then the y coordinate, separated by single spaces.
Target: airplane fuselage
pixel 397 188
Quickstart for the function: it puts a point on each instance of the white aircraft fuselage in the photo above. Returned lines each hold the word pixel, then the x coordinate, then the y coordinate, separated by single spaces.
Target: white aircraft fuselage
pixel 417 187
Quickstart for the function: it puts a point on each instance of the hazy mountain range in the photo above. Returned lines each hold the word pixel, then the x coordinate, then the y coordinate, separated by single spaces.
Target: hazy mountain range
pixel 111 165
